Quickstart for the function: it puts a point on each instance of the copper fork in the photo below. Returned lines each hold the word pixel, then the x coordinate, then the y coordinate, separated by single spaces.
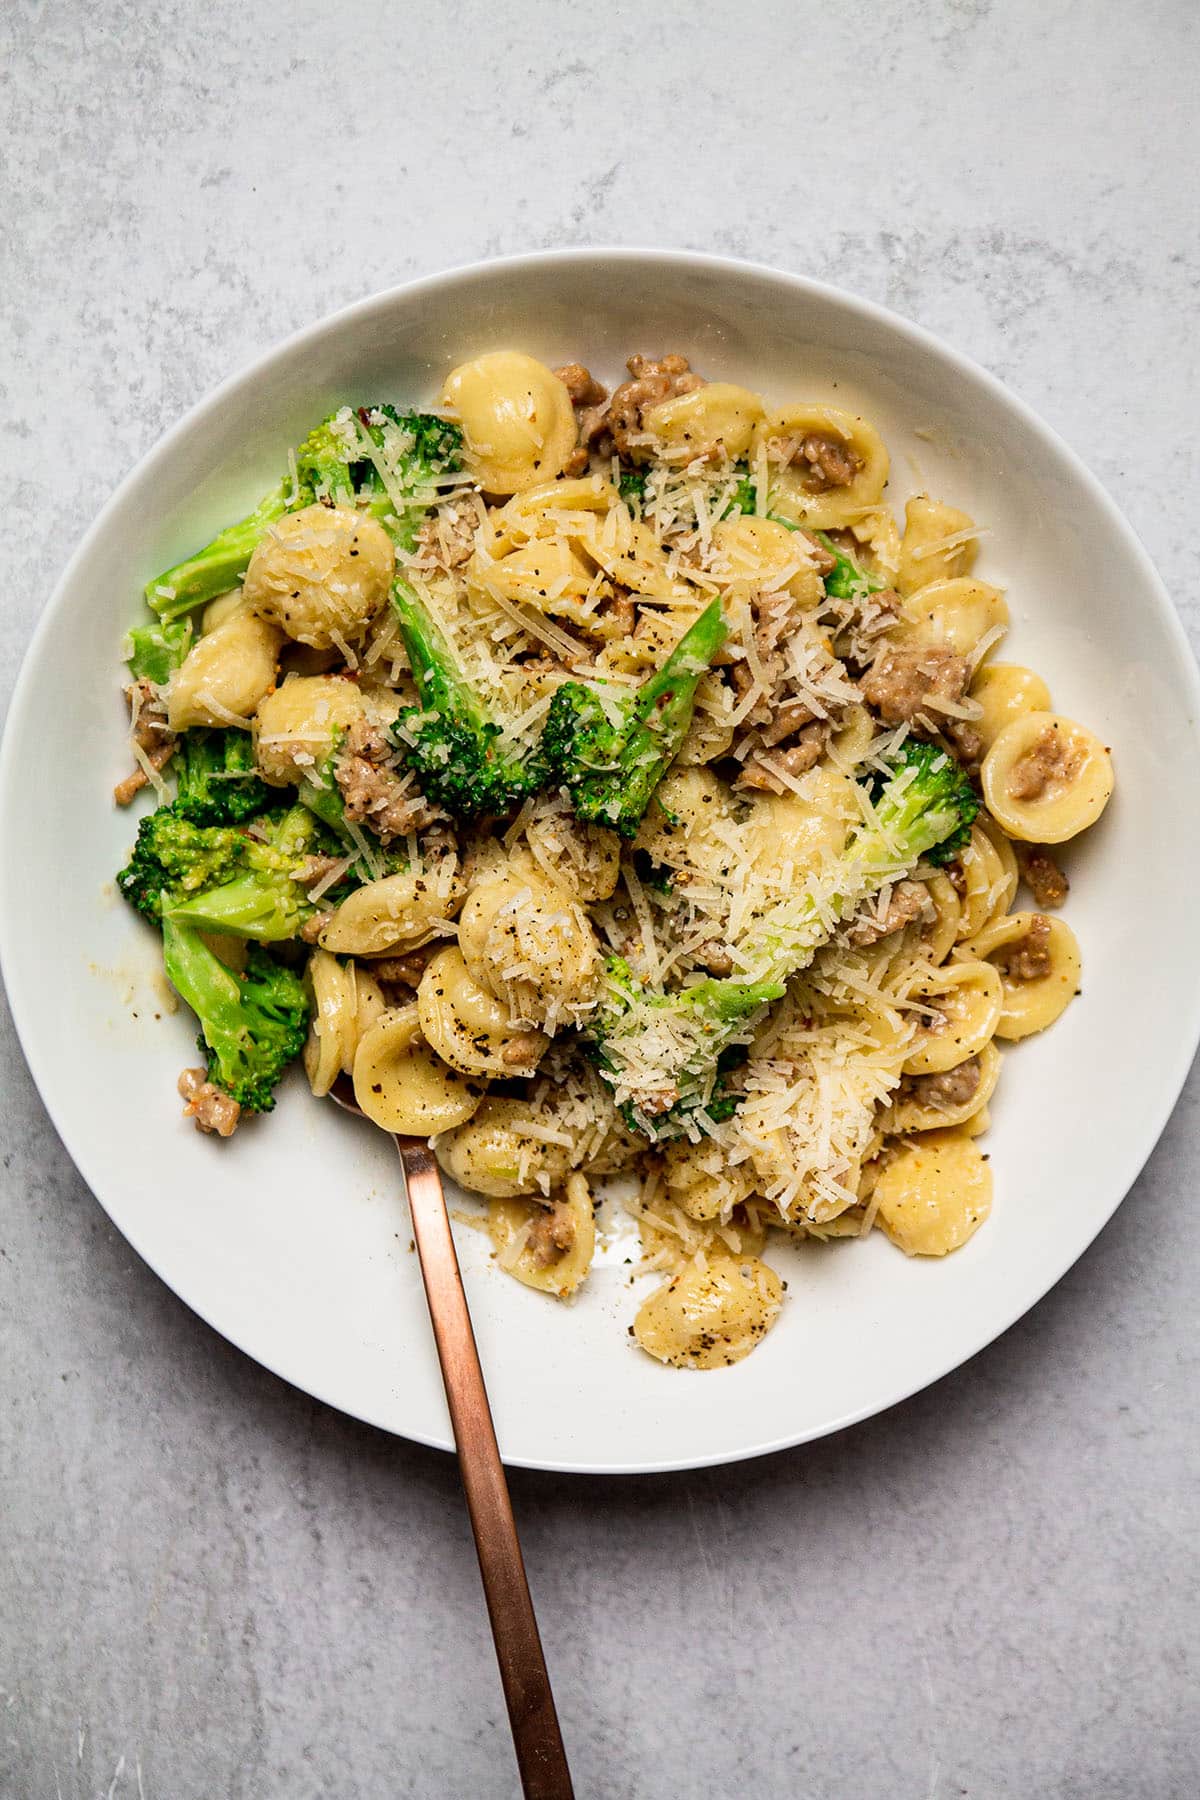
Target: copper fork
pixel 538 1742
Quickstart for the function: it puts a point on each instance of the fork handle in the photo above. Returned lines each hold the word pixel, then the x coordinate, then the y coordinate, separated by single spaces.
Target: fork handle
pixel 534 1721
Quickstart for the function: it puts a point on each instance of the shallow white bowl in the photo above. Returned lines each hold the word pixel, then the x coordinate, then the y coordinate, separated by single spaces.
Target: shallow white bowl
pixel 293 1240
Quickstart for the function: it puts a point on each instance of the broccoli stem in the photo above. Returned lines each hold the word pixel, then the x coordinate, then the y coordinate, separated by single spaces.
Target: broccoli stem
pixel 220 565
pixel 252 1025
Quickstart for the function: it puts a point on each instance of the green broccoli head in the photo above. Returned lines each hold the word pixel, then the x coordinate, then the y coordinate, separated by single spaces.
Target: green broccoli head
pixel 610 747
pixel 924 807
pixel 154 651
pixel 218 783
pixel 465 761
pixel 408 456
pixel 252 1025
pixel 173 857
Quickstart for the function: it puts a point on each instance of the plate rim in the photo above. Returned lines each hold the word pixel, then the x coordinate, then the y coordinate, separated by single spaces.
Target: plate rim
pixel 1186 1038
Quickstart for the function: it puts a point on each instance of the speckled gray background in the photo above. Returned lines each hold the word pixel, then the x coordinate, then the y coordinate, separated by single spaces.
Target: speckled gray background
pixel 215 1587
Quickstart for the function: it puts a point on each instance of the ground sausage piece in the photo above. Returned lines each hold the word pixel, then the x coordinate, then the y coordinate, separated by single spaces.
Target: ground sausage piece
pixel 792 716
pixel 207 1106
pixel 406 970
pixel 762 771
pixel 521 1051
pixel 312 928
pixel 909 900
pixel 968 744
pixel 316 868
pixel 447 537
pixel 952 1088
pixel 553 1233
pixel 901 683
pixel 1029 958
pixel 590 400
pixel 830 462
pixel 1046 880
pixel 581 384
pixel 1045 761
pixel 651 382
pixel 373 792
pixel 148 730
pixel 823 560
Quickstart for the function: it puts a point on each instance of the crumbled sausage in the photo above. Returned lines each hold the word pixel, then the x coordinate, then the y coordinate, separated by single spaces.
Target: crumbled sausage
pixel 311 929
pixel 1047 882
pixel 792 716
pixel 374 793
pixel 908 901
pixel 406 970
pixel 765 770
pixel 651 381
pixel 446 538
pixel 821 460
pixel 315 868
pixel 149 731
pixel 553 1233
pixel 967 743
pixel 1029 958
pixel 521 1051
pixel 947 1090
pixel 1049 758
pixel 581 384
pixel 209 1108
pixel 904 686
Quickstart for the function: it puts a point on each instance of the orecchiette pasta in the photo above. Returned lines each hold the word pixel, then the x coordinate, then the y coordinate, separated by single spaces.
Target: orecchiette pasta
pixel 939 544
pixel 961 1005
pixel 709 1316
pixel 321 574
pixel 952 1097
pixel 1004 692
pixel 1046 778
pixel 526 940
pixel 468 1027
pixel 403 1086
pixel 516 417
pixel 989 880
pixel 295 725
pixel 503 1153
pixel 701 1179
pixel 399 912
pixel 956 614
pixel 934 1193
pixel 584 860
pixel 550 1245
pixel 828 467
pixel 753 555
pixel 1039 964
pixel 718 417
pixel 226 673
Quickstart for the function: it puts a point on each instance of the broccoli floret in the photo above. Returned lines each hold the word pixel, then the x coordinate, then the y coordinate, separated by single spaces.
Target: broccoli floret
pixel 459 750
pixel 218 878
pixel 612 746
pixel 155 651
pixel 173 857
pixel 252 1025
pixel 394 472
pixel 264 899
pixel 217 780
pixel 661 1051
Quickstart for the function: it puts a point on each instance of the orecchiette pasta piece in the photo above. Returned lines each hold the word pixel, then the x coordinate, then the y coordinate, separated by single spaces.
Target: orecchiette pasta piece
pixel 852 739
pixel 939 543
pixel 1046 778
pixel 468 1027
pixel 369 1002
pixel 751 555
pixel 955 614
pixel 333 1033
pixel 709 1316
pixel 941 934
pixel 719 416
pixel 517 420
pixel 635 558
pixel 321 574
pixel 224 607
pixel 966 1000
pixel 1039 964
pixel 951 1097
pixel 546 1246
pixel 225 674
pixel 934 1193
pixel 294 726
pixel 502 1152
pixel 549 575
pixel 399 912
pixel 790 835
pixel 1006 691
pixel 583 859
pixel 527 940
pixel 402 1086
pixel 990 877
pixel 701 1179
pixel 686 818
pixel 827 466
pixel 978 1123
pixel 568 508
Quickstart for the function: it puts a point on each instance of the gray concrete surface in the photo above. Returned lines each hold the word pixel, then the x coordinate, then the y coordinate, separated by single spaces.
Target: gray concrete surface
pixel 213 1586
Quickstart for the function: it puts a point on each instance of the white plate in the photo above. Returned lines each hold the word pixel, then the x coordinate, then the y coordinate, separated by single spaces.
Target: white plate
pixel 293 1240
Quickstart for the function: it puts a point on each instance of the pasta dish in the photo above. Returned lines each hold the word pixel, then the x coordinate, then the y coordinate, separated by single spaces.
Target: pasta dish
pixel 613 790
